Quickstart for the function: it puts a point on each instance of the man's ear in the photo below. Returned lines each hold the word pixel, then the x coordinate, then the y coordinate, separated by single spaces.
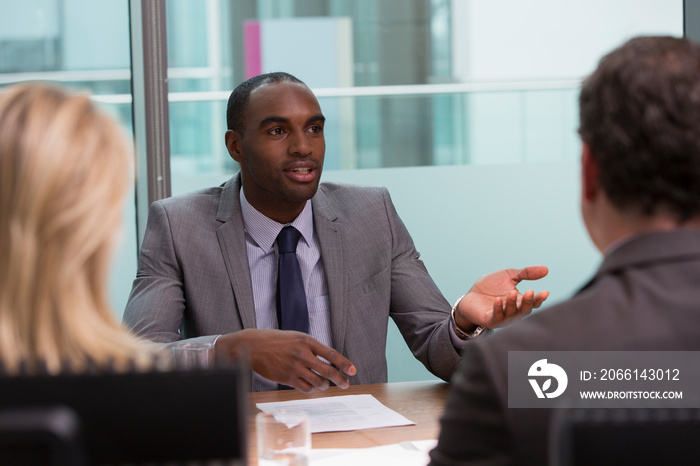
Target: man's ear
pixel 233 144
pixel 590 174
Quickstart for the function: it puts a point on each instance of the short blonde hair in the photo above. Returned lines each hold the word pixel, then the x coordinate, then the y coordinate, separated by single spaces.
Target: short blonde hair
pixel 64 171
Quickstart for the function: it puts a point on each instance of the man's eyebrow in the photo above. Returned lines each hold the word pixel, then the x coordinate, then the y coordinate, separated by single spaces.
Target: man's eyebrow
pixel 318 117
pixel 278 119
pixel 272 119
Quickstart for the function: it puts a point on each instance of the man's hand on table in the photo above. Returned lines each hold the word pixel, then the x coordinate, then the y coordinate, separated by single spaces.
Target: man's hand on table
pixel 288 357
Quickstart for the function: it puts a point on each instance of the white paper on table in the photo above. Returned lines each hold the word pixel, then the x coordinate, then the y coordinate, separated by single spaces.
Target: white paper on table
pixel 404 453
pixel 341 413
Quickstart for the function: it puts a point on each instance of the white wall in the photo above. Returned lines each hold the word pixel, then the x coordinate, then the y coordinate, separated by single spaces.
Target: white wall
pixel 501 40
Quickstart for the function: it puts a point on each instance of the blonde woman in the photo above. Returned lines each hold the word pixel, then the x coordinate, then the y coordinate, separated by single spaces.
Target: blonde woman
pixel 64 171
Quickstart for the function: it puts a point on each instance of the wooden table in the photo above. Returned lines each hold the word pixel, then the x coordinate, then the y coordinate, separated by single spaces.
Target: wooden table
pixel 421 402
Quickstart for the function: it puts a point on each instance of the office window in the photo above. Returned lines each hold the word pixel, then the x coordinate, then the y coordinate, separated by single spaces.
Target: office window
pixel 78 43
pixel 402 82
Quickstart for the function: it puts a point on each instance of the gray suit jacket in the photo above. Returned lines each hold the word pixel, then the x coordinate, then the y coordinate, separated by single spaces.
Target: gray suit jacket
pixel 193 278
pixel 645 296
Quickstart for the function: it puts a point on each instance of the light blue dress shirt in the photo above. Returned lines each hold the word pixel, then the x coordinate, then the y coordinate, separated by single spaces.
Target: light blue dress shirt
pixel 260 237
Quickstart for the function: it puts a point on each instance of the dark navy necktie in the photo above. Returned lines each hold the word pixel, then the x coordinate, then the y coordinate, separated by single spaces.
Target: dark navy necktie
pixel 292 313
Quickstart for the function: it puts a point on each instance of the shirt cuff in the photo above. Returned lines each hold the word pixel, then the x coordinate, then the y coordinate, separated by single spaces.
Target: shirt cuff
pixel 456 341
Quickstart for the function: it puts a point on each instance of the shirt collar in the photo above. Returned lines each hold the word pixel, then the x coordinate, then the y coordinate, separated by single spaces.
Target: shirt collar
pixel 263 230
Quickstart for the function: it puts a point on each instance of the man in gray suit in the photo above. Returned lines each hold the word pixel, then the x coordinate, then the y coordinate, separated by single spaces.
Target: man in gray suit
pixel 640 200
pixel 208 263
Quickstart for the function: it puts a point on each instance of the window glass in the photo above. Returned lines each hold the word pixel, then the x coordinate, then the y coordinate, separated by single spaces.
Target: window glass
pixel 79 43
pixel 402 82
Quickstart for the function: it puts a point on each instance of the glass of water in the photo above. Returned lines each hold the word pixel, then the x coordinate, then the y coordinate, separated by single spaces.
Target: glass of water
pixel 284 438
pixel 193 356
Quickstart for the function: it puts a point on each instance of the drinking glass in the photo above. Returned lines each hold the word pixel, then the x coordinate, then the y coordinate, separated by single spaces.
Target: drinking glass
pixel 284 438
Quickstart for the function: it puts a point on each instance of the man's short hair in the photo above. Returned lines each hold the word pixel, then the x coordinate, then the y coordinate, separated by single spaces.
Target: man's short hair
pixel 640 116
pixel 238 101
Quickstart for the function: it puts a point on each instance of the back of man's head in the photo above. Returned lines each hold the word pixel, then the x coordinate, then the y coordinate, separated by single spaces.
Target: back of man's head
pixel 640 116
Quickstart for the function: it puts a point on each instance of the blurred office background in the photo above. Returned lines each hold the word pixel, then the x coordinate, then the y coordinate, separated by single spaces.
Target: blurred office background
pixel 465 109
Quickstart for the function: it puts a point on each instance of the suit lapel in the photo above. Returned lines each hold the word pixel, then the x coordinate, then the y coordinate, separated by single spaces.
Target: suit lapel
pixel 330 236
pixel 231 237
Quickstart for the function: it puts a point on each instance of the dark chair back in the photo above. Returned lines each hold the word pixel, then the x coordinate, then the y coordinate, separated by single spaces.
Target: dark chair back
pixel 144 417
pixel 48 436
pixel 625 436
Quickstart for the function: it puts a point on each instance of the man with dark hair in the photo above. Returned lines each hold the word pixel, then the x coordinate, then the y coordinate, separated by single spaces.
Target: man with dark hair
pixel 209 261
pixel 238 101
pixel 640 200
